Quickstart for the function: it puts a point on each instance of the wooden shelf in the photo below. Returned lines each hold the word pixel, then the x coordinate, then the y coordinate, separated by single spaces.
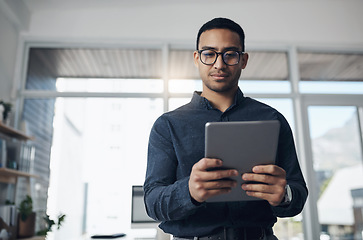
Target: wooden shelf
pixel 33 238
pixel 10 175
pixel 11 132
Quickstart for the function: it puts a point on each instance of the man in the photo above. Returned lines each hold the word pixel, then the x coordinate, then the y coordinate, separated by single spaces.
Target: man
pixel 178 182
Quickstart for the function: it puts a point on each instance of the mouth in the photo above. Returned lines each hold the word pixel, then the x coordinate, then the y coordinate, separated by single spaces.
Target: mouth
pixel 219 76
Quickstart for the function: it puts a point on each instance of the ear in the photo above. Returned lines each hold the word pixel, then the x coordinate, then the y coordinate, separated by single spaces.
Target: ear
pixel 196 58
pixel 244 60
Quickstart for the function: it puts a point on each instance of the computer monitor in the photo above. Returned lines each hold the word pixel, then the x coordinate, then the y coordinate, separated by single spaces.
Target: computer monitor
pixel 139 217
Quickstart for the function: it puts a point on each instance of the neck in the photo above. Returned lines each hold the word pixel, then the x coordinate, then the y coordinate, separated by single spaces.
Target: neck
pixel 220 100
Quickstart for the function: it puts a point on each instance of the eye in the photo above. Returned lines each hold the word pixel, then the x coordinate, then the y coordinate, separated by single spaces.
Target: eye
pixel 208 53
pixel 230 54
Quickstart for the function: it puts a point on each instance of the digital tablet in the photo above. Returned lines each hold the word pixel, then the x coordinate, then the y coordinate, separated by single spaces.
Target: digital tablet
pixel 241 146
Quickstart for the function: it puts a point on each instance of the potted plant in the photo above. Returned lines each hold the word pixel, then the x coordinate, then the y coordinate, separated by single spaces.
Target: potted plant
pixel 49 223
pixel 5 109
pixel 26 218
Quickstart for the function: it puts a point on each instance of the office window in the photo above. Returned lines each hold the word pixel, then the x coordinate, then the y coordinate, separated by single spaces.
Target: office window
pixel 95 63
pixel 266 65
pixel 104 96
pixel 284 106
pixel 286 228
pixel 185 85
pixel 262 65
pixel 181 65
pixel 118 85
pixel 265 86
pixel 333 73
pixel 99 147
pixel 337 158
pixel 266 72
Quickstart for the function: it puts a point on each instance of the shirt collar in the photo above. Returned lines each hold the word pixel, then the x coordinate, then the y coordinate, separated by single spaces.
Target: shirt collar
pixel 201 102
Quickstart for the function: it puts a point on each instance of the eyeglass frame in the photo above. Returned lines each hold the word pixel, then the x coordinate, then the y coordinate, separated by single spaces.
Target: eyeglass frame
pixel 240 53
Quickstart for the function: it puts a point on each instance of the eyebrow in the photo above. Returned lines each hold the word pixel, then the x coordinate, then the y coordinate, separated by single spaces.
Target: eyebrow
pixel 224 49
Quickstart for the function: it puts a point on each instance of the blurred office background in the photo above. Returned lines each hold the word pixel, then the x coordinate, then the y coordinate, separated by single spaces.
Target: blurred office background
pixel 88 79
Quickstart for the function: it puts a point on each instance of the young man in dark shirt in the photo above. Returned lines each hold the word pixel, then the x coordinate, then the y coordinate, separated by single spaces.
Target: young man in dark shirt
pixel 178 182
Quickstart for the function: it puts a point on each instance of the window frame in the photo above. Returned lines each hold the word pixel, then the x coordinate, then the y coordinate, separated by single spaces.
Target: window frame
pixel 311 227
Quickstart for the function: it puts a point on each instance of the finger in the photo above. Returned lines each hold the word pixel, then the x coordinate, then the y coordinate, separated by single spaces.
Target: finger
pixel 221 174
pixel 273 199
pixel 212 185
pixel 261 195
pixel 207 163
pixel 220 184
pixel 262 188
pixel 213 175
pixel 269 169
pixel 201 191
pixel 272 193
pixel 261 178
pixel 272 196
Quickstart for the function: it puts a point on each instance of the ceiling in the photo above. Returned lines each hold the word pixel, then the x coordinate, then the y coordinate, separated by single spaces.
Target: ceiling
pixel 35 5
pixel 148 63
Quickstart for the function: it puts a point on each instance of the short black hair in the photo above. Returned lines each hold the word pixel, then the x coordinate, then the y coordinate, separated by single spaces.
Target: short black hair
pixel 223 23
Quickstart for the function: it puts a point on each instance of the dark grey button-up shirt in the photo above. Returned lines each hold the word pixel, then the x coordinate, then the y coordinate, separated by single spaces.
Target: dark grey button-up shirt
pixel 177 142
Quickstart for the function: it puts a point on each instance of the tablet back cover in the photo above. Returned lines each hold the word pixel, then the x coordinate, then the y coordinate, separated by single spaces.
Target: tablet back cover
pixel 241 146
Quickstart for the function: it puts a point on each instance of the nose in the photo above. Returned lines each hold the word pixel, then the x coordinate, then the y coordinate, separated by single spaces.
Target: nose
pixel 219 64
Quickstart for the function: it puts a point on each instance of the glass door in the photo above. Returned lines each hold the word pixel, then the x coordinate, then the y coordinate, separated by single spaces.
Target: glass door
pixel 98 154
pixel 336 149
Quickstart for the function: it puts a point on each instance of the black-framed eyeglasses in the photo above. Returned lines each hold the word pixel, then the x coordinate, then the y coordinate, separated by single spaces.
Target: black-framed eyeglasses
pixel 230 58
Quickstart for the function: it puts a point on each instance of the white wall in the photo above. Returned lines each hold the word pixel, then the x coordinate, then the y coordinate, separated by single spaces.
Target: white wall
pixel 309 22
pixel 8 46
pixel 14 18
pixel 294 21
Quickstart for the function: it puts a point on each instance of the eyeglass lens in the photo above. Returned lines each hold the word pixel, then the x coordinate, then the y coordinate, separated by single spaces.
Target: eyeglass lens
pixel 209 57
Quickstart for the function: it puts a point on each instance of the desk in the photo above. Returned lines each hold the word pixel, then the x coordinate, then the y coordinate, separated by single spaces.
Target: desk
pixel 34 238
pixel 139 234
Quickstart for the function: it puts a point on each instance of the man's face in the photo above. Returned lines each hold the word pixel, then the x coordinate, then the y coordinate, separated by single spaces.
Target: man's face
pixel 220 77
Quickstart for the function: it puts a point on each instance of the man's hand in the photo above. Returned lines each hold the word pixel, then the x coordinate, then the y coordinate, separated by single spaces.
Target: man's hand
pixel 271 183
pixel 204 184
